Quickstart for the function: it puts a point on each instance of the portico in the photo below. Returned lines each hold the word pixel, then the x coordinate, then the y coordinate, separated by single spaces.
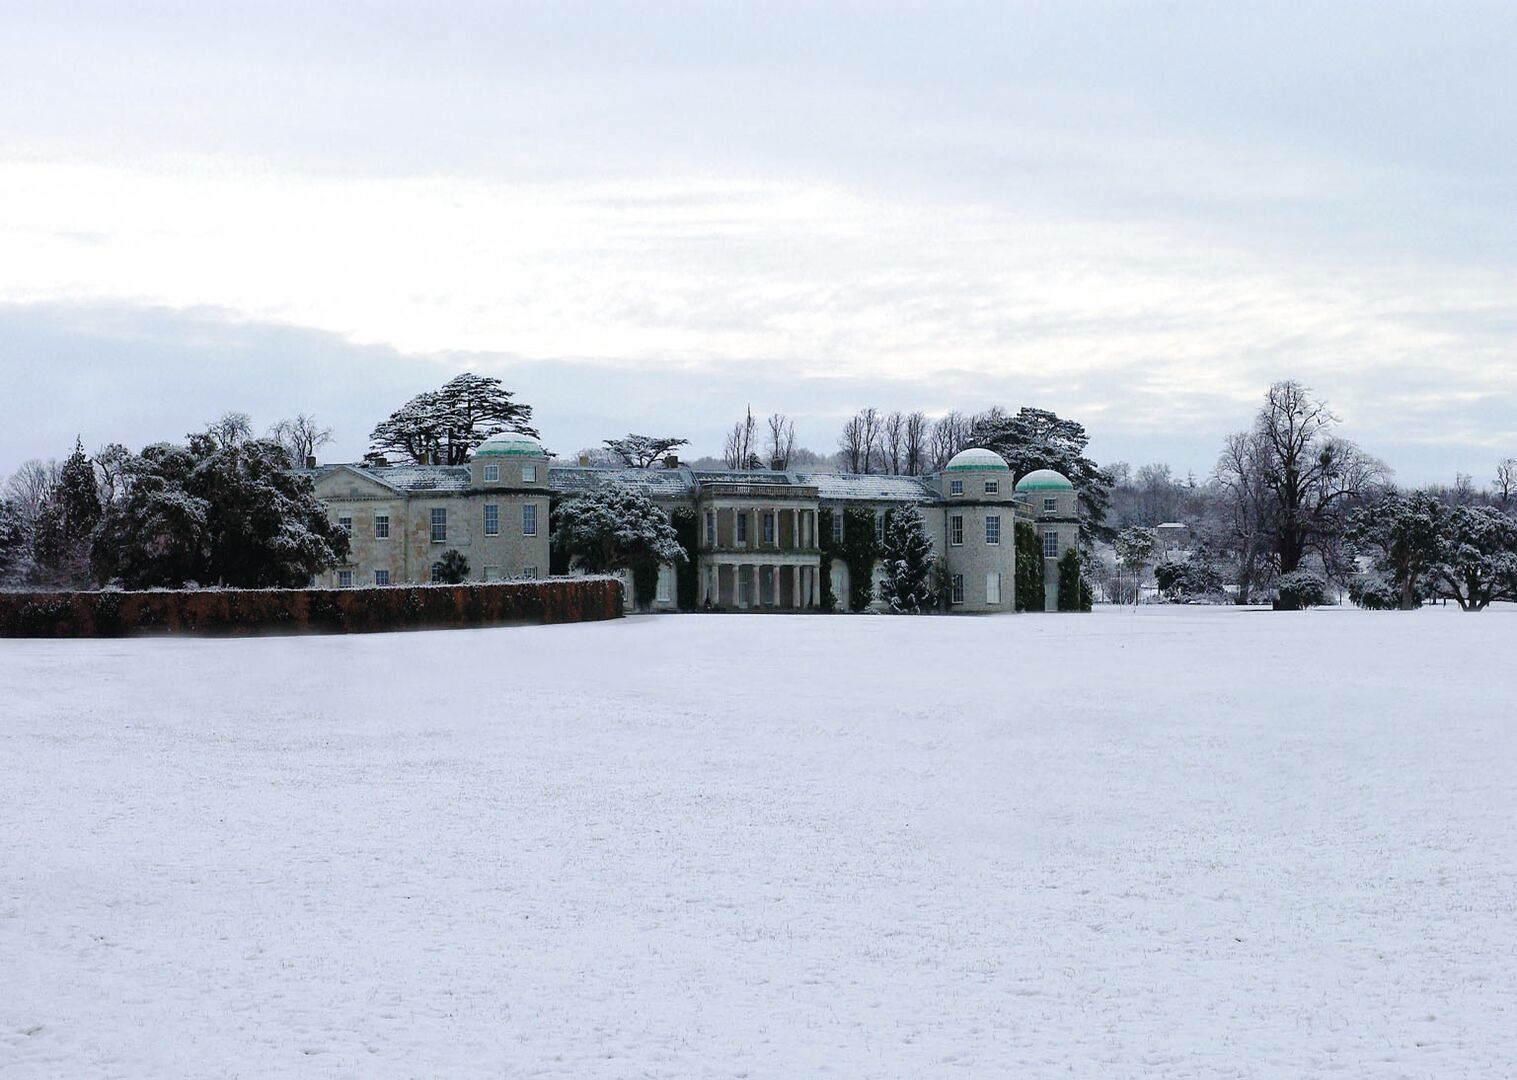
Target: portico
pixel 759 544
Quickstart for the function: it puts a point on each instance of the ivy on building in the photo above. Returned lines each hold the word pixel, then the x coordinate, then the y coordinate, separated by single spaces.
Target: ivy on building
pixel 860 550
pixel 829 550
pixel 687 526
pixel 1029 574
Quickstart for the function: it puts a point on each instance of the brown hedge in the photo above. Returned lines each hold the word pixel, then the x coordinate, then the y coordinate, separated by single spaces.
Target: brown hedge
pixel 301 611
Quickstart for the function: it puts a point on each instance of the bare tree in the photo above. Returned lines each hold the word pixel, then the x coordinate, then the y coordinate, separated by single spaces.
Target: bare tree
pixel 1312 476
pixel 1506 481
pixel 1464 489
pixel 30 487
pixel 1245 506
pixel 230 429
pixel 914 460
pixel 781 440
pixel 949 435
pixel 740 447
pixel 893 442
pixel 859 443
pixel 301 437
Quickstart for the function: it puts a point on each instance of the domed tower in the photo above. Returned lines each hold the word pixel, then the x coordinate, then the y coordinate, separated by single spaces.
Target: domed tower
pixel 509 460
pixel 978 540
pixel 1048 501
pixel 504 533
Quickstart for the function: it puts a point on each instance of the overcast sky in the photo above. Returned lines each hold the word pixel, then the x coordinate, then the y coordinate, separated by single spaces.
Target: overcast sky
pixel 646 217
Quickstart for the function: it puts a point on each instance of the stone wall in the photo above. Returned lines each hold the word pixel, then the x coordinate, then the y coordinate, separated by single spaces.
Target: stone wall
pixel 298 611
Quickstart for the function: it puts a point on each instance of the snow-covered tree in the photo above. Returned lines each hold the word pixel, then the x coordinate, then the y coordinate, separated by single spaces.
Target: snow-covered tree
pixel 1038 439
pixel 1300 589
pixel 215 512
pixel 1400 532
pixel 13 542
pixel 641 451
pixel 1477 556
pixel 67 520
pixel 442 427
pixel 1181 579
pixel 907 562
pixel 616 528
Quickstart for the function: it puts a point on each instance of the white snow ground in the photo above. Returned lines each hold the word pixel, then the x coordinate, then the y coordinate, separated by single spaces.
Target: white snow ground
pixel 1176 842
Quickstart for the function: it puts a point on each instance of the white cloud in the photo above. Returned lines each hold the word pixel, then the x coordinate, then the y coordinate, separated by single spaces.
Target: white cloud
pixel 713 271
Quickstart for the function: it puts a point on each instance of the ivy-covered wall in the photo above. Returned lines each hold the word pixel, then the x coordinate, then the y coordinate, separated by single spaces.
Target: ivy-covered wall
pixel 829 551
pixel 687 526
pixel 859 551
pixel 1029 575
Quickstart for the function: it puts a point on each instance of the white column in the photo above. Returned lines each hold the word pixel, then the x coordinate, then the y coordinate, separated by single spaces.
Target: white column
pixel 795 592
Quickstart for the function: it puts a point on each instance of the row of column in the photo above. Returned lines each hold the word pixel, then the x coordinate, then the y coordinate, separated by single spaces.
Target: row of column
pixel 805 585
pixel 803 527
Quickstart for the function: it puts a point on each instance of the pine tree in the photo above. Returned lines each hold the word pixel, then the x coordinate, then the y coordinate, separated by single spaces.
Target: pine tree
pixel 1038 439
pixel 68 519
pixel 907 561
pixel 12 541
pixel 641 451
pixel 452 568
pixel 1069 581
pixel 442 427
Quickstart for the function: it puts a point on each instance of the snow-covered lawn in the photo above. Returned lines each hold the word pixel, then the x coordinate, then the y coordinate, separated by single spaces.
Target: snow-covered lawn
pixel 1176 842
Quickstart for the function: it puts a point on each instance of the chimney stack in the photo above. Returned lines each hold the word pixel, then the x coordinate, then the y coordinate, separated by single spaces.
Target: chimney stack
pixel 584 461
pixel 777 464
pixel 311 461
pixel 671 461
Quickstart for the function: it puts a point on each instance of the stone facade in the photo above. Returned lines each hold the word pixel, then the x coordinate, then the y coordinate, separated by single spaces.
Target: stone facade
pixel 758 543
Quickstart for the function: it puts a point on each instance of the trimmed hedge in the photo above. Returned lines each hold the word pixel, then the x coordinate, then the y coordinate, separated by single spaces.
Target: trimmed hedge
pixel 299 611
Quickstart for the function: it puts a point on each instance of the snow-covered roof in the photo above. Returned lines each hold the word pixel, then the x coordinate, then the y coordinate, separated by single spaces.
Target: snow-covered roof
pixel 1044 480
pixel 871 488
pixel 403 477
pixel 977 459
pixel 423 477
pixel 746 476
pixel 655 482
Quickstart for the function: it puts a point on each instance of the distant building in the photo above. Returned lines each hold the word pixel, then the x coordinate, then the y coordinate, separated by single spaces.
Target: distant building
pixel 759 546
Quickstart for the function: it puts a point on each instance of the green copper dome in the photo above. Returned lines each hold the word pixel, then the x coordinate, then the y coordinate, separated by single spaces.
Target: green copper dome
pixel 510 445
pixel 977 459
pixel 1044 480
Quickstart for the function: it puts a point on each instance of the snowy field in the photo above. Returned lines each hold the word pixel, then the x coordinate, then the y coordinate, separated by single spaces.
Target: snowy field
pixel 1176 842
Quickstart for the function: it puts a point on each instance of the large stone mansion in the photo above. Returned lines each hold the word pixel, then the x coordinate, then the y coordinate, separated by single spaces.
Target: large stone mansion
pixel 758 547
